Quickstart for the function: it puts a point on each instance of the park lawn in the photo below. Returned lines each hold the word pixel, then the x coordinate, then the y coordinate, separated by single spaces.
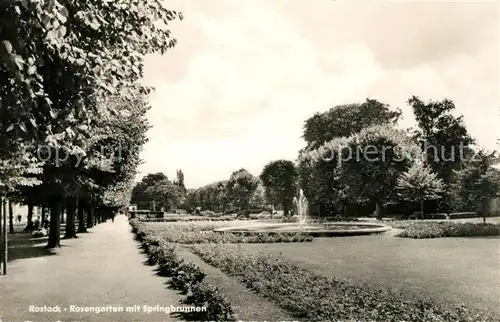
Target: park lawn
pixel 447 270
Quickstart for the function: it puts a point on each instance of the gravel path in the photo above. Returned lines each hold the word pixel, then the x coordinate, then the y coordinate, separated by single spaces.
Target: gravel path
pixel 102 268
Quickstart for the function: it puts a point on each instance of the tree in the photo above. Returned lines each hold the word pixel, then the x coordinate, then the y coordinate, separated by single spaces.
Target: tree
pixel 418 183
pixel 241 185
pixel 373 161
pixel 344 120
pixel 166 194
pixel 258 199
pixel 443 138
pixel 280 179
pixel 180 181
pixel 140 196
pixel 478 180
pixel 320 174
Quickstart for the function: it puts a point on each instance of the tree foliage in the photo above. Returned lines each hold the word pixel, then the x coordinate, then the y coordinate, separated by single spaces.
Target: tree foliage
pixel 280 180
pixel 240 188
pixel 72 107
pixel 344 120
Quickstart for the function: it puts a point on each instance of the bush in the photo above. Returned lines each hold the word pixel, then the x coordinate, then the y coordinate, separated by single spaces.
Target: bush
pixel 208 213
pixel 190 218
pixel 447 229
pixel 187 278
pixel 312 297
pixel 207 296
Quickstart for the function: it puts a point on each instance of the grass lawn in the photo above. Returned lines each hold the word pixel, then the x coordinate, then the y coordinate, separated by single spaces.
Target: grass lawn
pixel 449 270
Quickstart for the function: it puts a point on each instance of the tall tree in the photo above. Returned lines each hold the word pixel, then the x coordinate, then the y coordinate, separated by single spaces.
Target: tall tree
pixel 377 156
pixel 139 194
pixel 280 179
pixel 165 194
pixel 443 137
pixel 241 185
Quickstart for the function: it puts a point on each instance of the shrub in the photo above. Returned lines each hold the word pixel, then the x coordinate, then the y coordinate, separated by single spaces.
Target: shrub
pixel 447 229
pixel 169 262
pixel 311 297
pixel 436 216
pixel 208 213
pixel 217 306
pixel 186 276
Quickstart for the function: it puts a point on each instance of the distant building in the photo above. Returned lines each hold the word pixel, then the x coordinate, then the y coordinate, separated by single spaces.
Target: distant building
pixel 132 208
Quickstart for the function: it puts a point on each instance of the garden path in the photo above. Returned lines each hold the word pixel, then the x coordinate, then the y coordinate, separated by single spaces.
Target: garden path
pixel 101 268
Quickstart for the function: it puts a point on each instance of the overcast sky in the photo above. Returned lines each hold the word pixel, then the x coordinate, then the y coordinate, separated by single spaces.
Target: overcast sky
pixel 244 75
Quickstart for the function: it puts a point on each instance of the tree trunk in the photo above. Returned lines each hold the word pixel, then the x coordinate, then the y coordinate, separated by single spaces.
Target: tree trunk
pixel 97 216
pixel 90 216
pixel 286 208
pixel 11 217
pixel 3 204
pixel 422 209
pixel 81 217
pixel 29 226
pixel 484 209
pixel 1 232
pixel 378 210
pixel 44 213
pixel 63 210
pixel 70 218
pixel 55 223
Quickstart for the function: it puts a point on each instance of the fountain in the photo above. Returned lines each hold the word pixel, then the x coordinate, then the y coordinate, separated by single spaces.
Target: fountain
pixel 301 206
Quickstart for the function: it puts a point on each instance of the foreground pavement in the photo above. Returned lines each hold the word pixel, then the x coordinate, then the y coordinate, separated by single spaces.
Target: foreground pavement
pixel 102 270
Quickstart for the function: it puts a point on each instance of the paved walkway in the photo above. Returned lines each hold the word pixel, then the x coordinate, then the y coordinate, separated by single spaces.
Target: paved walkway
pixel 100 269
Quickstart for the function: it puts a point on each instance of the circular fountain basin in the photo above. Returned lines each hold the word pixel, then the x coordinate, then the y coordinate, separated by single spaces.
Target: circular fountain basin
pixel 316 230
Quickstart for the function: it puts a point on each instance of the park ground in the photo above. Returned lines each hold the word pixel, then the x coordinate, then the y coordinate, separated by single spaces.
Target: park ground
pixel 105 267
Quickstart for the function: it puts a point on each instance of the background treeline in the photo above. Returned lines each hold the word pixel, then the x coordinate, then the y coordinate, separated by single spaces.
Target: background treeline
pixel 434 168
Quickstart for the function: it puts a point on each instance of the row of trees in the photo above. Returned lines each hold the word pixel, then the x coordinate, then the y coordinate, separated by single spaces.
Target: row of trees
pixel 72 107
pixel 240 192
pixel 356 155
pixel 362 158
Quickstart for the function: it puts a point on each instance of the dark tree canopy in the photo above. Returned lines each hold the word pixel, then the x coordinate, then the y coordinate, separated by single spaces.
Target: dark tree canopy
pixel 344 120
pixel 279 178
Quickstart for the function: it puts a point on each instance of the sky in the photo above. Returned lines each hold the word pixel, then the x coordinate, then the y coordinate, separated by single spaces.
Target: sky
pixel 245 75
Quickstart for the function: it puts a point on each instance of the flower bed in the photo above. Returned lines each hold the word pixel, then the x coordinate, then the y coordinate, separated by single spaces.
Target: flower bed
pixel 195 234
pixel 188 218
pixel 317 298
pixel 446 229
pixel 184 277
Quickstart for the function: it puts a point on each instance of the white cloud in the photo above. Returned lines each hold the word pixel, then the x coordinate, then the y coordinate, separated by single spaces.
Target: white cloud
pixel 237 91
